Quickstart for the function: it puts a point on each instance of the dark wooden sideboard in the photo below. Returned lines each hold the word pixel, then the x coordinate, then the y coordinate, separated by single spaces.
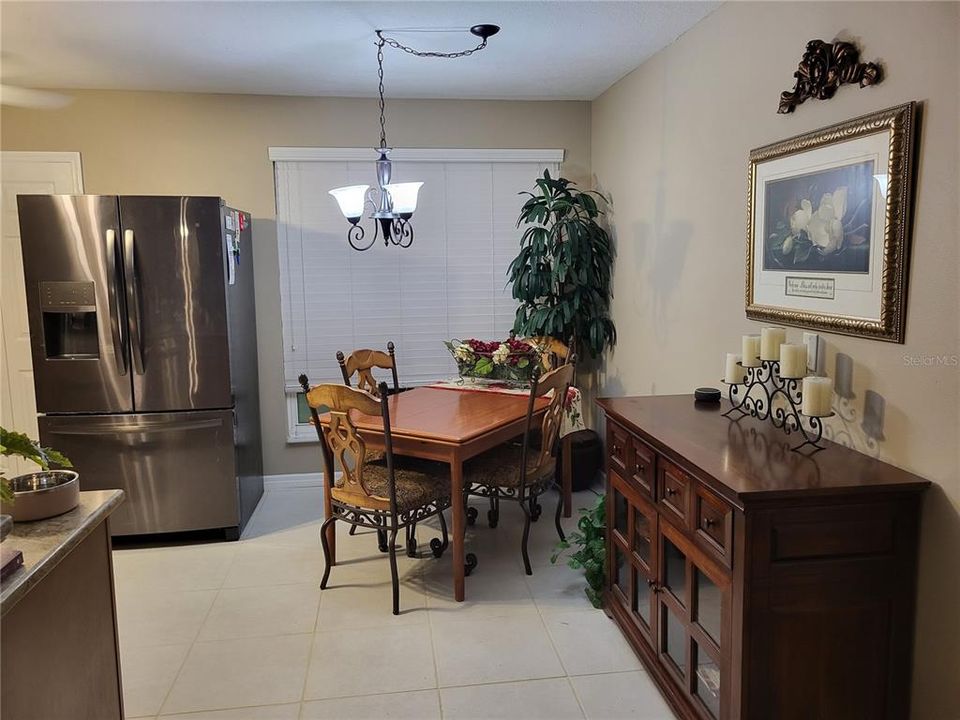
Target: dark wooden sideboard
pixel 755 582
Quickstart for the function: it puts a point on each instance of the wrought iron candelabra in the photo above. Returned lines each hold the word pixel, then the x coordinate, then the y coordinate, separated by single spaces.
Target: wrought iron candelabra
pixel 757 397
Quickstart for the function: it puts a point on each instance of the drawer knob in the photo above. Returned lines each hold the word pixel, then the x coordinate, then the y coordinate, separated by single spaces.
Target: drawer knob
pixel 616 449
pixel 708 522
pixel 640 468
pixel 671 491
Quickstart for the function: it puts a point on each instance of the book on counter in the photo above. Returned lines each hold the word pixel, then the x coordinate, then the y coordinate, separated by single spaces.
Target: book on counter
pixel 11 560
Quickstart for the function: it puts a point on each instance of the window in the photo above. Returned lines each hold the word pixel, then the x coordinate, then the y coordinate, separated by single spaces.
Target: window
pixel 451 283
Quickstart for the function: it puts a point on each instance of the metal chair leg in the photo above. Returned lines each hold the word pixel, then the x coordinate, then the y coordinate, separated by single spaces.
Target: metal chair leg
pixel 353 530
pixel 535 508
pixel 439 546
pixel 526 535
pixel 412 540
pixel 493 514
pixel 394 576
pixel 326 551
pixel 382 540
pixel 560 504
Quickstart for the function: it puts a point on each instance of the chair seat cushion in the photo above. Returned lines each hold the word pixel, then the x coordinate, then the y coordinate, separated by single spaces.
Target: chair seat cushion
pixel 500 467
pixel 415 488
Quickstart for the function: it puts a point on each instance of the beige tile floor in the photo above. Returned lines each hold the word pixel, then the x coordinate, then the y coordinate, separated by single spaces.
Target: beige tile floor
pixel 242 631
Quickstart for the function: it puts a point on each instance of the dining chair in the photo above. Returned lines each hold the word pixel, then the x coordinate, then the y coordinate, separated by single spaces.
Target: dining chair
pixel 401 461
pixel 556 353
pixel 519 471
pixel 372 494
pixel 362 362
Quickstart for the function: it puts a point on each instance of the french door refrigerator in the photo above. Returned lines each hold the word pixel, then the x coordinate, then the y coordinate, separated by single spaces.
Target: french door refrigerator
pixel 141 314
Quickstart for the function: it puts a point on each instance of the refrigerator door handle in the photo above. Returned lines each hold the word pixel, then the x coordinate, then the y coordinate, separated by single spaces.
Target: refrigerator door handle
pixel 116 302
pixel 133 301
pixel 138 427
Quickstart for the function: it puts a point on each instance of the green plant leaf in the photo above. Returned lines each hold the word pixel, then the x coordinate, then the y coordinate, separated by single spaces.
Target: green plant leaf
pixel 18 444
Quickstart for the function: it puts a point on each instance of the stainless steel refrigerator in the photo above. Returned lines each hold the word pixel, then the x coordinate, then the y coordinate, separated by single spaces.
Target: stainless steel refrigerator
pixel 143 333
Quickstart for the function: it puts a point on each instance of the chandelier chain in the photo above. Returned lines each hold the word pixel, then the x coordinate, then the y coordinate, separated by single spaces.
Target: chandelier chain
pixel 383 125
pixel 424 53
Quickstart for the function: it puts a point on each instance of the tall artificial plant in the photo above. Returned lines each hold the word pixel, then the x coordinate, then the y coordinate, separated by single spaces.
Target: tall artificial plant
pixel 561 276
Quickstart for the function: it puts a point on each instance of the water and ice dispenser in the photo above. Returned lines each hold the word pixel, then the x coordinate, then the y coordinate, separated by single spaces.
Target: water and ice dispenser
pixel 69 320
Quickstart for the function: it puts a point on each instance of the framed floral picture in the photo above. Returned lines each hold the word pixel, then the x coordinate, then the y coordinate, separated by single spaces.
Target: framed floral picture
pixel 828 231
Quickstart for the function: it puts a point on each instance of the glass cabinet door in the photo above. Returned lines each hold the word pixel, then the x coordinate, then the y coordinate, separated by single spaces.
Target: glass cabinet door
pixel 692 603
pixel 643 557
pixel 706 677
pixel 633 538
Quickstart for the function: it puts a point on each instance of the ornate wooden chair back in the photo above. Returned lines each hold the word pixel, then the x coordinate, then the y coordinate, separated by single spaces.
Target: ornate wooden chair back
pixel 362 363
pixel 559 382
pixel 344 444
pixel 555 352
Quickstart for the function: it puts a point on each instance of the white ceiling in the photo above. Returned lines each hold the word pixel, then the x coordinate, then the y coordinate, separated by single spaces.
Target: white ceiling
pixel 546 50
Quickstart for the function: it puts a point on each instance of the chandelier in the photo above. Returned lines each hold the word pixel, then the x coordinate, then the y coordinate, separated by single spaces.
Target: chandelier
pixel 391 204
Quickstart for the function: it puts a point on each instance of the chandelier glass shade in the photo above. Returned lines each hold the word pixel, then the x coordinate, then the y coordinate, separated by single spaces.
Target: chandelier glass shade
pixel 392 205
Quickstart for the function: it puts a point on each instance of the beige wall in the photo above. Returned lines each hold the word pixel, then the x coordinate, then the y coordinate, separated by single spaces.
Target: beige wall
pixel 670 144
pixel 166 143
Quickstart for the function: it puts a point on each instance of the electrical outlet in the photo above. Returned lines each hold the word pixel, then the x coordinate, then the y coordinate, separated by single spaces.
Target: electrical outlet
pixel 814 351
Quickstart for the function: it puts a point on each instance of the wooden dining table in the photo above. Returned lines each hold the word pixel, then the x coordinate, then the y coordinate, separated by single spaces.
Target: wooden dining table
pixel 446 425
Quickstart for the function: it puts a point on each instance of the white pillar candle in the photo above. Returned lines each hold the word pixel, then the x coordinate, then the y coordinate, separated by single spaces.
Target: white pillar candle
pixel 733 373
pixel 817 396
pixel 751 350
pixel 793 360
pixel 771 338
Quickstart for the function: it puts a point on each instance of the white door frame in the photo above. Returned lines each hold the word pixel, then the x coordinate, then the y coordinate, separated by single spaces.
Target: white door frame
pixel 18 410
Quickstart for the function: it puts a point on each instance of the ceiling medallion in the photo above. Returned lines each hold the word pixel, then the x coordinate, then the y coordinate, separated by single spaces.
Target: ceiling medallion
pixel 391 204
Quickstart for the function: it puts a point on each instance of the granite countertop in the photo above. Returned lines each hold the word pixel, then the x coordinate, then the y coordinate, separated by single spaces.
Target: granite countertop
pixel 44 543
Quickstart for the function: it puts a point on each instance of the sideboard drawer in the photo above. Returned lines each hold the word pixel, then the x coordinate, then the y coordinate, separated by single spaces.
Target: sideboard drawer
pixel 618 447
pixel 673 490
pixel 713 523
pixel 643 466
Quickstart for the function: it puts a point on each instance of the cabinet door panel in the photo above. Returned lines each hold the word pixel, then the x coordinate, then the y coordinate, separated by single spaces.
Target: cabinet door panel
pixel 674 566
pixel 621 512
pixel 693 608
pixel 706 685
pixel 673 641
pixel 708 604
pixel 633 553
pixel 621 573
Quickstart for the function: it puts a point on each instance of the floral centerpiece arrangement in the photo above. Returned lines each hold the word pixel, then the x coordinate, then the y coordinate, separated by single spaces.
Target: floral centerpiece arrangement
pixel 511 360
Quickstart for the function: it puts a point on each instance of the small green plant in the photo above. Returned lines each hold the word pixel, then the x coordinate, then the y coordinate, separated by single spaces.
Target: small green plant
pixel 18 444
pixel 591 552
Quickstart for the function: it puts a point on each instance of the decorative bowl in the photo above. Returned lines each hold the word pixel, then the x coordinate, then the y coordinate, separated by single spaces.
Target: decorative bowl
pixel 42 495
pixel 511 360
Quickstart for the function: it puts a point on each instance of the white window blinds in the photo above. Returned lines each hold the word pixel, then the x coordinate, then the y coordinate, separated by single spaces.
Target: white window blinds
pixel 451 283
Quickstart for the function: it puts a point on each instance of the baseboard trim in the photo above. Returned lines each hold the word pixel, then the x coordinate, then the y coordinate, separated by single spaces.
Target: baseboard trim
pixel 291 481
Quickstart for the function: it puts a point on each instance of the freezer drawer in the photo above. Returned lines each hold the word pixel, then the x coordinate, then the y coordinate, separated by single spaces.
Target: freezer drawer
pixel 177 469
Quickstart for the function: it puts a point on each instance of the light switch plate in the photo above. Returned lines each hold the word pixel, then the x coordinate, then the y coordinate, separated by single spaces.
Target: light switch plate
pixel 814 351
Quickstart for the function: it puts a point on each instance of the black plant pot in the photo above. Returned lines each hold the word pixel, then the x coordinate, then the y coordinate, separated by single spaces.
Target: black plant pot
pixel 586 455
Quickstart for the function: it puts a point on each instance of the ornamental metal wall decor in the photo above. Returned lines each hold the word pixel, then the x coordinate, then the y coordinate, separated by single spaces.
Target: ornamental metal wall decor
pixel 823 68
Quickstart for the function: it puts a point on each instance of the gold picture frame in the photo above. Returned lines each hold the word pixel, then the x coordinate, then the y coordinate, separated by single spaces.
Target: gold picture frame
pixel 843 264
